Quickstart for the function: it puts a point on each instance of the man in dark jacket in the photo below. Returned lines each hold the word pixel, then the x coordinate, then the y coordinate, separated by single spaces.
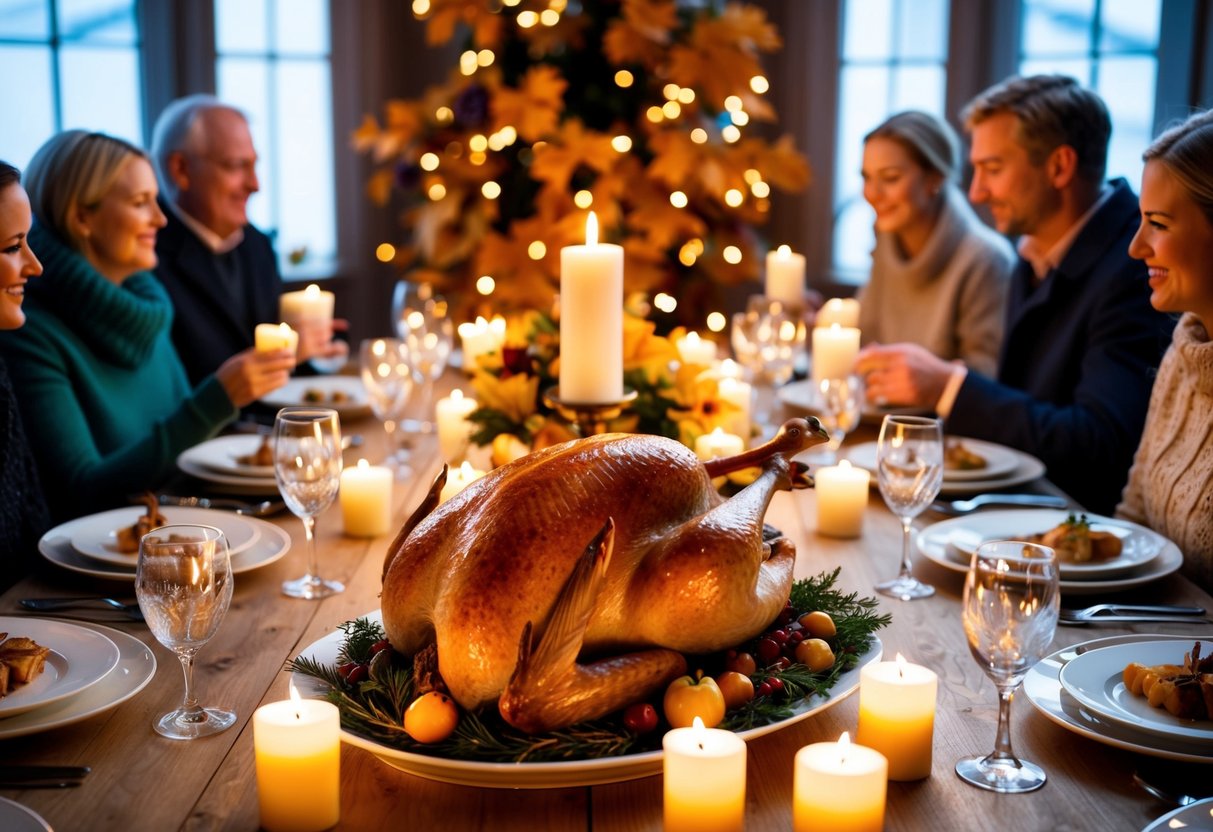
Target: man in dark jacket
pixel 1082 343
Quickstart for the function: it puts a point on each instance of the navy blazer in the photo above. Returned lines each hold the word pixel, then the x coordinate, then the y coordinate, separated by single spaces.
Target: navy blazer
pixel 218 299
pixel 1078 361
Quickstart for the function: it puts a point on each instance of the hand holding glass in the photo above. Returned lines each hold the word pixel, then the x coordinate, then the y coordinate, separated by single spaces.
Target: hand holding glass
pixel 1011 601
pixel 388 380
pixel 909 471
pixel 307 465
pixel 184 585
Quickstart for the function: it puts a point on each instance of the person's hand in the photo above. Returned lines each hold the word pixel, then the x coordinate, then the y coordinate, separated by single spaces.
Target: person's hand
pixel 902 374
pixel 249 375
pixel 316 339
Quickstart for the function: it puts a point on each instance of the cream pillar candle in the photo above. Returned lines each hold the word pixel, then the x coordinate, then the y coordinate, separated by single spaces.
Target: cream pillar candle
pixel 311 304
pixel 729 369
pixel 695 350
pixel 839 786
pixel 737 393
pixel 454 429
pixel 297 745
pixel 591 320
pixel 842 496
pixel 366 500
pixel 841 311
pixel 481 338
pixel 897 715
pixel 785 276
pixel 704 780
pixel 834 351
pixel 718 444
pixel 267 337
pixel 458 479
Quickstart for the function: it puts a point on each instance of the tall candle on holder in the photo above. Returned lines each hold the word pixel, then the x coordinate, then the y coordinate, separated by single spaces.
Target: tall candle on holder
pixel 591 320
pixel 834 351
pixel 297 744
pixel 839 786
pixel 841 311
pixel 785 276
pixel 897 715
pixel 704 780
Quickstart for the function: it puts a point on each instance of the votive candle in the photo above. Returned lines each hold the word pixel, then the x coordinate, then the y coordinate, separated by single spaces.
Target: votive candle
pixel 842 496
pixel 695 350
pixel 458 479
pixel 718 444
pixel 839 786
pixel 841 311
pixel 297 744
pixel 366 499
pixel 897 715
pixel 481 338
pixel 454 428
pixel 704 781
pixel 834 351
pixel 310 304
pixel 785 276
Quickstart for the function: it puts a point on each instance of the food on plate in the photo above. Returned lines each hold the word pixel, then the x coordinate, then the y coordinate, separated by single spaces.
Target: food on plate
pixel 263 457
pixel 959 457
pixel 615 546
pixel 314 395
pixel 1186 690
pixel 21 660
pixel 1074 541
pixel 687 698
pixel 129 536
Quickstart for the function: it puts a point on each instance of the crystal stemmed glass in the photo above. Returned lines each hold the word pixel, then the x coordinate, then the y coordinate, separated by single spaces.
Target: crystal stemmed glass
pixel 307 465
pixel 388 380
pixel 840 405
pixel 909 471
pixel 765 343
pixel 423 322
pixel 184 585
pixel 1011 601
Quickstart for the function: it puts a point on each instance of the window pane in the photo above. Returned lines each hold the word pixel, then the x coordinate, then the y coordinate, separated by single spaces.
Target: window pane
pixel 1130 25
pixel 98 21
pixel 864 100
pixel 305 189
pixel 24 19
pixel 1057 27
pixel 245 83
pixel 240 26
pixel 89 77
pixel 31 98
pixel 924 29
pixel 917 88
pixel 1078 69
pixel 867 29
pixel 301 27
pixel 1127 84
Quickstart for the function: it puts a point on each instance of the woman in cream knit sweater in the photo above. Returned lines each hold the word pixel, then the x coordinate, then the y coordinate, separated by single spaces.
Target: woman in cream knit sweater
pixel 1170 486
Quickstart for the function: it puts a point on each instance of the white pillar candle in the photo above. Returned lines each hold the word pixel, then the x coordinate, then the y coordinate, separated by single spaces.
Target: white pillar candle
pixel 737 393
pixel 897 715
pixel 366 500
pixel 695 350
pixel 704 780
pixel 834 351
pixel 842 496
pixel 591 320
pixel 310 304
pixel 454 429
pixel 785 276
pixel 268 337
pixel 841 311
pixel 458 479
pixel 297 745
pixel 718 444
pixel 839 786
pixel 481 338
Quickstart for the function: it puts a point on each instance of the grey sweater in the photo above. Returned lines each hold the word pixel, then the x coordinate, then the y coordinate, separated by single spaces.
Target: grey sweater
pixel 950 298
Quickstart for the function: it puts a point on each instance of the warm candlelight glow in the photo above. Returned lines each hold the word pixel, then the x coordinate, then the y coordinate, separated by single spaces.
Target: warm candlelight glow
pixel 297 748
pixel 704 783
pixel 842 497
pixel 897 715
pixel 366 499
pixel 591 229
pixel 839 786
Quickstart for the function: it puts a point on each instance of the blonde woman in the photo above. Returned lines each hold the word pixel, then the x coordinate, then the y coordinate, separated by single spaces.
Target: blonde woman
pixel 103 394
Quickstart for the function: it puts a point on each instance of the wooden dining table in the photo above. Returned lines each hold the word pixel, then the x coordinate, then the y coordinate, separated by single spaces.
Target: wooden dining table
pixel 142 781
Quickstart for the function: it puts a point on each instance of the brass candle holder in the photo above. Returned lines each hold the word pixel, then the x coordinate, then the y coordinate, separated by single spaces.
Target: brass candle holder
pixel 590 417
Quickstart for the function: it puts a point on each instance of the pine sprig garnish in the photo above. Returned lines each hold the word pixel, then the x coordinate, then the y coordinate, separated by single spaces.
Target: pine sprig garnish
pixel 360 635
pixel 856 618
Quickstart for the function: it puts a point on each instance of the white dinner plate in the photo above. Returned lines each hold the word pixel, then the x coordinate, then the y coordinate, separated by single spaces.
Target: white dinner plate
pixel 1096 680
pixel 803 395
pixel 1027 468
pixel 229 483
pixel 56 546
pixel 79 658
pixel 1043 689
pixel 223 453
pixel 950 543
pixel 318 391
pixel 1195 817
pixel 17 818
pixel 1001 461
pixel 97 534
pixel 550 775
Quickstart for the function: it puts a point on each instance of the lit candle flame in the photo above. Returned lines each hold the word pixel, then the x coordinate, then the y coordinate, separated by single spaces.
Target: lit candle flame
pixel 783 252
pixel 844 745
pixel 698 732
pixel 296 700
pixel 901 666
pixel 591 229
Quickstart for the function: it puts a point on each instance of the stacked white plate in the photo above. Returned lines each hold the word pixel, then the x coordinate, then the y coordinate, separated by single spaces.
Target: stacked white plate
pixel 1145 555
pixel 345 394
pixel 222 462
pixel 89 545
pixel 1004 467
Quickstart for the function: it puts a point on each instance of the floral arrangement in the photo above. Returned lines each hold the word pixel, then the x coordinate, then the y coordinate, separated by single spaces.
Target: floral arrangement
pixel 637 109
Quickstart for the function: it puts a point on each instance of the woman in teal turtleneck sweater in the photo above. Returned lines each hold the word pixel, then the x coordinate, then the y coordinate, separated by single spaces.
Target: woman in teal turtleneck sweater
pixel 103 394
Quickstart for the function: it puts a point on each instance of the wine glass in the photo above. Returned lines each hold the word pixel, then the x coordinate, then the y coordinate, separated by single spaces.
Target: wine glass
pixel 909 471
pixel 423 322
pixel 307 465
pixel 765 343
pixel 388 380
pixel 1011 601
pixel 840 405
pixel 183 582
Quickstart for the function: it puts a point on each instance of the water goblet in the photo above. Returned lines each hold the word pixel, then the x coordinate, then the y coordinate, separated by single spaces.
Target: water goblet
pixel 1010 607
pixel 765 343
pixel 307 465
pixel 388 380
pixel 909 471
pixel 183 582
pixel 422 321
pixel 840 405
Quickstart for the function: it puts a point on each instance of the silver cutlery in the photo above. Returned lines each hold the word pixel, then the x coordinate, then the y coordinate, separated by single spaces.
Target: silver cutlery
pixel 131 611
pixel 262 509
pixel 1132 614
pixel 42 777
pixel 982 500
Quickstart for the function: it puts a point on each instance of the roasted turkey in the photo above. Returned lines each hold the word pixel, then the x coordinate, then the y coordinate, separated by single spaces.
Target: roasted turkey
pixel 569 583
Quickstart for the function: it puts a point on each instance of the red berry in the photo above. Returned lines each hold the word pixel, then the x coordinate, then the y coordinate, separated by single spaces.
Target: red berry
pixel 782 663
pixel 780 636
pixel 344 670
pixel 764 689
pixel 380 646
pixel 795 637
pixel 776 683
pixel 768 649
pixel 358 674
pixel 640 718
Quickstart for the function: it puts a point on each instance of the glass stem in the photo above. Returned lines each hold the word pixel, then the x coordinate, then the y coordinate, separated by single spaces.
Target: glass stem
pixel 390 428
pixel 309 529
pixel 190 710
pixel 1002 740
pixel 907 525
pixel 424 396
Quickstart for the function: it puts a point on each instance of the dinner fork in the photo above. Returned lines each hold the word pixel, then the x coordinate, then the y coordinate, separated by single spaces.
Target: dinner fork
pixel 1132 614
pixel 1029 500
pixel 131 611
